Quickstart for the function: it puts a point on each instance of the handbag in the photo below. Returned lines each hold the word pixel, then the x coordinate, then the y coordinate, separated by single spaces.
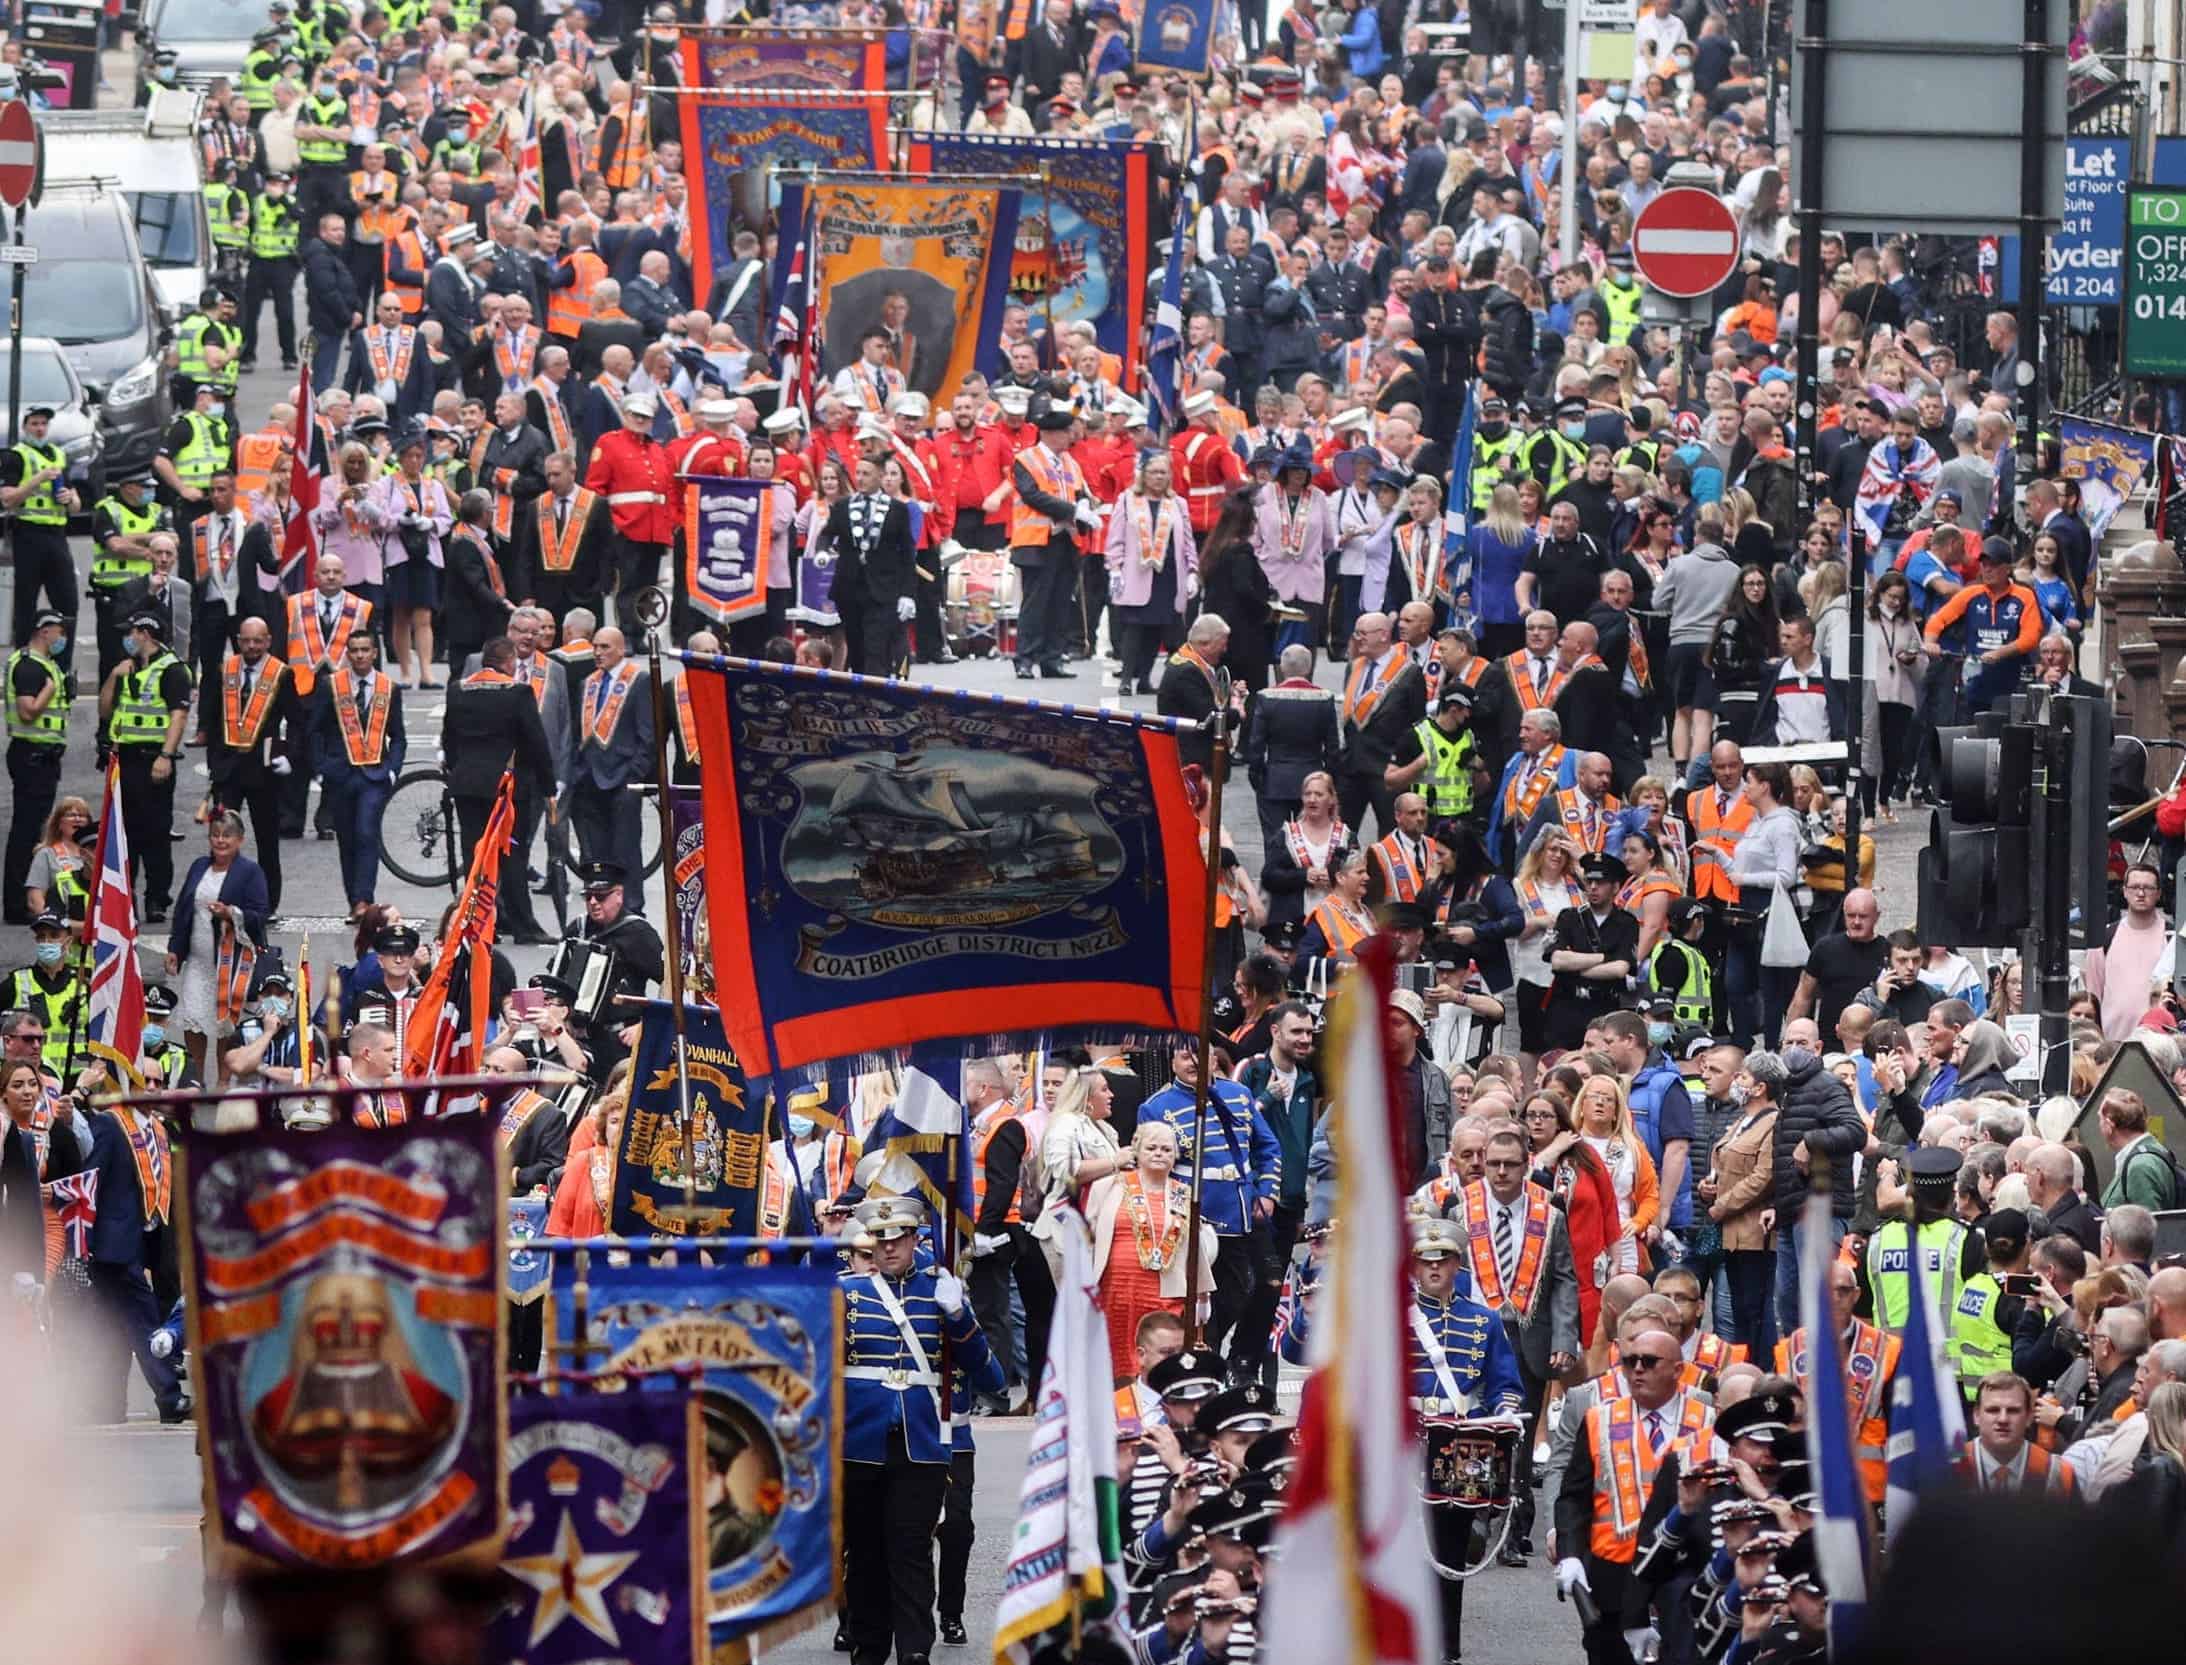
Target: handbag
pixel 1783 941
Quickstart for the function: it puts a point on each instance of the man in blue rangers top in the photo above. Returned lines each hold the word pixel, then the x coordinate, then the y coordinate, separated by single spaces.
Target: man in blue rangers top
pixel 896 1449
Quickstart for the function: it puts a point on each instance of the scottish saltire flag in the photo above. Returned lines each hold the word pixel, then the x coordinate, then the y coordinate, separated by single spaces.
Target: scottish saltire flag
pixel 76 1201
pixel 1927 1415
pixel 1843 1533
pixel 1165 349
pixel 1066 1553
pixel 114 1012
pixel 915 1136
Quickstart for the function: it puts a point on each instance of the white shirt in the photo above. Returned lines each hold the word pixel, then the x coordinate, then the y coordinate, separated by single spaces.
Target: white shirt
pixel 229 586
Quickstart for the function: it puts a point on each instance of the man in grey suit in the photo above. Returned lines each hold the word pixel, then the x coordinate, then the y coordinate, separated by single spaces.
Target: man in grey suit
pixel 530 628
pixel 614 748
pixel 1521 1268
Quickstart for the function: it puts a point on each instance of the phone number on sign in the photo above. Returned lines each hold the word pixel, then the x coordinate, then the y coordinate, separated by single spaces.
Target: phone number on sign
pixel 2172 307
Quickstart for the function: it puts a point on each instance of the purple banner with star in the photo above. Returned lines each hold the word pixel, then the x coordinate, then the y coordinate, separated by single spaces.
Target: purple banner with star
pixel 345 1291
pixel 605 1530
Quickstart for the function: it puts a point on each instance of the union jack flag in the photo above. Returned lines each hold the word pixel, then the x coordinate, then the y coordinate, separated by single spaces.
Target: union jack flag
pixel 796 329
pixel 299 545
pixel 76 1201
pixel 114 1013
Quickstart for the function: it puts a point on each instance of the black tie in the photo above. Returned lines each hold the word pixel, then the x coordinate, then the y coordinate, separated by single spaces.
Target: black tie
pixel 561 515
pixel 1540 675
pixel 326 621
pixel 249 677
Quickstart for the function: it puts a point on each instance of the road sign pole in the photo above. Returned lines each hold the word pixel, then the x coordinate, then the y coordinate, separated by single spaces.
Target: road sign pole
pixel 15 338
pixel 2033 234
pixel 1813 50
pixel 1567 243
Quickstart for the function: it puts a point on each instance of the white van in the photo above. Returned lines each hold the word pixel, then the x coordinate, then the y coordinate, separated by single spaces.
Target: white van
pixel 151 156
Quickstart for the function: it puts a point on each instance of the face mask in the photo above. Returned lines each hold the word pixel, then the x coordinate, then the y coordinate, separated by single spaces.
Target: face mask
pixel 275 1009
pixel 802 1126
pixel 1494 430
pixel 154 1037
pixel 1740 1092
pixel 1892 606
pixel 1617 90
pixel 1658 1034
pixel 251 1031
pixel 1573 430
pixel 49 953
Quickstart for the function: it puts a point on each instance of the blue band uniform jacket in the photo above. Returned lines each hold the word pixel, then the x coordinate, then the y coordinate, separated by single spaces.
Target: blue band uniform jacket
pixel 1476 1355
pixel 884 1385
pixel 1244 1163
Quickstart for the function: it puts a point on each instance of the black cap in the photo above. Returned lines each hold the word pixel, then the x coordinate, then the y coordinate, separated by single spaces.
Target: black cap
pixel 1274 1454
pixel 1458 698
pixel 396 939
pixel 1404 916
pixel 50 921
pixel 1571 407
pixel 1758 1416
pixel 1191 1375
pixel 149 620
pixel 1494 407
pixel 1933 1165
pixel 602 876
pixel 555 988
pixel 1284 933
pixel 275 979
pixel 45 411
pixel 159 999
pixel 1997 552
pixel 1600 867
pixel 1249 1409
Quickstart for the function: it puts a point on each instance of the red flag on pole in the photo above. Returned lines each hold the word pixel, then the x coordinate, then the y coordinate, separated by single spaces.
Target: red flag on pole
pixel 428 1045
pixel 300 545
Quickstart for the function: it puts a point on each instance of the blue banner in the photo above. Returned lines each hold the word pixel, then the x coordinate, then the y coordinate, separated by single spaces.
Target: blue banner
pixel 2110 464
pixel 604 1532
pixel 529 1271
pixel 765 1340
pixel 889 864
pixel 1176 35
pixel 2085 260
pixel 728 529
pixel 728 1145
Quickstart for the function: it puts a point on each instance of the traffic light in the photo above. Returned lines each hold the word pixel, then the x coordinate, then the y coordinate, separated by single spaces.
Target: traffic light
pixel 2092 734
pixel 1976 885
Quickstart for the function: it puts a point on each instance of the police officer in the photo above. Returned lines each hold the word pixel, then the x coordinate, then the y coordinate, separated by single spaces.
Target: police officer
pixel 261 69
pixel 191 364
pixel 322 149
pixel 34 490
pixel 122 524
pixel 1982 1319
pixel 1556 454
pixel 47 986
pixel 1950 1254
pixel 143 704
pixel 1678 965
pixel 37 742
pixel 274 230
pixel 162 1059
pixel 198 444
pixel 1497 452
pixel 1438 758
pixel 896 1437
pixel 1621 292
pixel 228 213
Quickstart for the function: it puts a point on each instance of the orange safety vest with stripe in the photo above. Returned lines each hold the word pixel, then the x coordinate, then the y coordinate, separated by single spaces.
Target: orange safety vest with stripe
pixel 1871 1366
pixel 1058 476
pixel 409 246
pixel 633 153
pixel 1401 880
pixel 982 1137
pixel 256 456
pixel 1625 1465
pixel 1715 839
pixel 568 308
pixel 1342 936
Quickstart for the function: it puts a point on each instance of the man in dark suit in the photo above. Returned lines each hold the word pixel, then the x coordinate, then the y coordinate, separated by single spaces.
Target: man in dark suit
pixel 496 726
pixel 550 403
pixel 1049 50
pixel 739 293
pixel 451 292
pixel 1194 685
pixel 2049 511
pixel 1291 732
pixel 647 297
pixel 615 748
pixel 121 1282
pixel 357 753
pixel 1242 274
pixel 559 558
pixel 609 326
pixel 1591 707
pixel 871 536
pixel 477 604
pixel 1384 697
pixel 513 468
pixel 248 752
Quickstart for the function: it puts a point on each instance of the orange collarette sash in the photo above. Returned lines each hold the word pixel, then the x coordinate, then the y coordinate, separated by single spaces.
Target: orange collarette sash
pixel 601 728
pixel 1525 1281
pixel 1359 701
pixel 559 554
pixel 243 726
pixel 364 746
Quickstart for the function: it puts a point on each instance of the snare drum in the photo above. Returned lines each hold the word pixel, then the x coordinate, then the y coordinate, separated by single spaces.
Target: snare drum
pixel 1471 1461
pixel 594 971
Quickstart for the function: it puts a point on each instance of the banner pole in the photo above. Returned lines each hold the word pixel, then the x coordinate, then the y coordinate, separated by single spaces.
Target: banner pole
pixel 1219 767
pixel 662 718
pixel 945 1401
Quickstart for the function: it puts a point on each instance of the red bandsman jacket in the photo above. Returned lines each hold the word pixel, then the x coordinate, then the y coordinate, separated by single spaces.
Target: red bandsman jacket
pixel 1110 464
pixel 638 480
pixel 1207 470
pixel 702 453
pixel 840 443
pixel 971 467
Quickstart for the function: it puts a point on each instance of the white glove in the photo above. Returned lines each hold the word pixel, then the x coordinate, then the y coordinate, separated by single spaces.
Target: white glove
pixel 984 1245
pixel 949 1293
pixel 1571 1575
pixel 163 1343
pixel 906 609
pixel 1085 516
pixel 280 766
pixel 1637 1640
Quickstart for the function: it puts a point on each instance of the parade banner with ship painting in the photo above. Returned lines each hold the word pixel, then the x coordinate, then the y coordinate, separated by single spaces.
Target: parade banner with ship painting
pixel 606 1539
pixel 916 260
pixel 1082 245
pixel 345 1292
pixel 727 1143
pixel 736 144
pixel 822 60
pixel 889 864
pixel 764 1341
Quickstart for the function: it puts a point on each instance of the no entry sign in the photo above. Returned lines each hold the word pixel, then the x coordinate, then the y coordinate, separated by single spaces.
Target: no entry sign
pixel 18 153
pixel 1685 242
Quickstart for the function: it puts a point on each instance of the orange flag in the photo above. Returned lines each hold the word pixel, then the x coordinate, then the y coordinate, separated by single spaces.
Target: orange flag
pixel 428 1045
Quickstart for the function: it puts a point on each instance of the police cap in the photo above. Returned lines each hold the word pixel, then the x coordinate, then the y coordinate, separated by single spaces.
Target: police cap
pixel 159 999
pixel 1934 1166
pixel 396 939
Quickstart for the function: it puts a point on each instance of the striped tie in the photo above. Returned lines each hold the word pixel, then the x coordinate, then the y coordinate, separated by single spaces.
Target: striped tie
pixel 1502 1248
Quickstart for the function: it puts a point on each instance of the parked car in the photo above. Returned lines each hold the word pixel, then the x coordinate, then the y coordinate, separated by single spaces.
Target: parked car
pixel 151 154
pixel 48 381
pixel 208 38
pixel 92 292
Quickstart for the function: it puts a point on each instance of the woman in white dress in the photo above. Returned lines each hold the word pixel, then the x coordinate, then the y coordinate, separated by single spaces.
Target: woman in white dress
pixel 1077 1149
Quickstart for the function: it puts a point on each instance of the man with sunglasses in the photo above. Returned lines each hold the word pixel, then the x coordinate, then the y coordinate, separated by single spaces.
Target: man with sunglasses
pixel 1604 1492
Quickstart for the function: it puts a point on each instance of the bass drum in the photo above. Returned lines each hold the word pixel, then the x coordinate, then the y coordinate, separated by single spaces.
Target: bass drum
pixel 984 590
pixel 1470 1472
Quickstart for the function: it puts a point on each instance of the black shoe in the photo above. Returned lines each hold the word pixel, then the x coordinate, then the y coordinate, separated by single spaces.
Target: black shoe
pixel 952 1632
pixel 296 831
pixel 1525 1546
pixel 842 1636
pixel 1025 673
pixel 1056 673
pixel 155 916
pixel 326 835
pixel 533 938
pixel 178 1411
pixel 1510 1557
pixel 913 1659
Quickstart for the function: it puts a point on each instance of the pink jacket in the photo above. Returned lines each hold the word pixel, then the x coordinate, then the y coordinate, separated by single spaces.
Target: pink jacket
pixel 1130 580
pixel 1300 573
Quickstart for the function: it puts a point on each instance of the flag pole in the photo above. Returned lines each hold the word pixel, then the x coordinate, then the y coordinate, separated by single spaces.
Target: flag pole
pixel 663 718
pixel 1218 769
pixel 946 1399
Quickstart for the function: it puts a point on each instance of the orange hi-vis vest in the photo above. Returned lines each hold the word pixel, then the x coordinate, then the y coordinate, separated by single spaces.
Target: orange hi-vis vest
pixel 1058 476
pixel 319 648
pixel 241 725
pixel 1530 698
pixel 1401 879
pixel 982 1137
pixel 410 245
pixel 364 746
pixel 256 457
pixel 1525 1281
pixel 1591 840
pixel 633 148
pixel 1625 1463
pixel 1715 839
pixel 1871 1366
pixel 1341 935
pixel 570 306
pixel 1527 787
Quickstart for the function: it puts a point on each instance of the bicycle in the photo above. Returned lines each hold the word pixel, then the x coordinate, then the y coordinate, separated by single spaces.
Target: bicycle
pixel 421 842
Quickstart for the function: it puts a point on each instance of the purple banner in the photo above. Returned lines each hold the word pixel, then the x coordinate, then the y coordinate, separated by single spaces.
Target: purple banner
pixel 345 1293
pixel 687 886
pixel 604 1530
pixel 728 530
pixel 815 602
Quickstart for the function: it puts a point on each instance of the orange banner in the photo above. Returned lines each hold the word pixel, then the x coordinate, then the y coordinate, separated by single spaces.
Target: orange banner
pixel 347 1182
pixel 474 1309
pixel 223 1275
pixel 367 1549
pixel 239 1320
